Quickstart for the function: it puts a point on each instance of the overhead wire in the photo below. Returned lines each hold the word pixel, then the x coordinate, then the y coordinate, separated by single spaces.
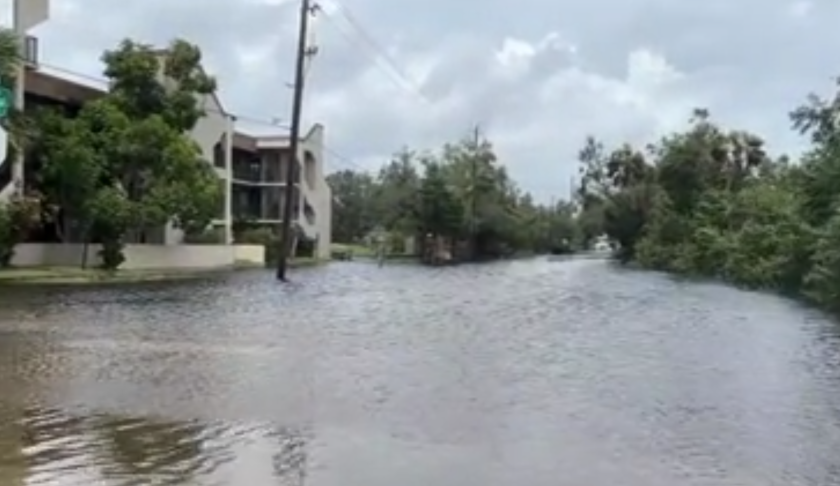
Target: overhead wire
pixel 367 44
pixel 338 158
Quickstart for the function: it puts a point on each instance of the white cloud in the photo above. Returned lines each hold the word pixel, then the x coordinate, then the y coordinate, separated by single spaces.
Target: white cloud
pixel 532 98
pixel 621 71
pixel 800 8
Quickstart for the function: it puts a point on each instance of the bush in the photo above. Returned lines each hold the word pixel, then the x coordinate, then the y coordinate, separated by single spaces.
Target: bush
pixel 214 236
pixel 256 236
pixel 112 254
pixel 264 237
pixel 17 218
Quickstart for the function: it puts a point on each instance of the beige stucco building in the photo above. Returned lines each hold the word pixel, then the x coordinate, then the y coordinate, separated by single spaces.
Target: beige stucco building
pixel 257 177
pixel 251 168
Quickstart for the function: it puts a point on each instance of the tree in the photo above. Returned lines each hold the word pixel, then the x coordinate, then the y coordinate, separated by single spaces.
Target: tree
pixel 21 213
pixel 70 173
pixel 126 164
pixel 438 211
pixel 353 217
pixel 399 182
pixel 461 193
pixel 710 201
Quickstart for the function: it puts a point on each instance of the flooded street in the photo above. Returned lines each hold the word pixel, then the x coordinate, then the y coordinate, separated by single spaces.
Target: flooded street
pixel 522 373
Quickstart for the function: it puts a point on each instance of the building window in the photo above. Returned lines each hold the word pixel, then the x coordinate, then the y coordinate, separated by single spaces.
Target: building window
pixel 219 154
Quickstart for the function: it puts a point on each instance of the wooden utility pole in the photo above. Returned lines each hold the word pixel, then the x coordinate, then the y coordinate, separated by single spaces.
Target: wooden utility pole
pixel 294 142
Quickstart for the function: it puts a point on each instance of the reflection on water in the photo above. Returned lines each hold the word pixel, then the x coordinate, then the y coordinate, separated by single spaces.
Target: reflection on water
pixel 50 447
pixel 568 373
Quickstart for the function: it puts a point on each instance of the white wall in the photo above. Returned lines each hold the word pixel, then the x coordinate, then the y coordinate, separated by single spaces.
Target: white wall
pixel 169 257
pixel 249 254
pixel 324 221
pixel 320 196
pixel 208 131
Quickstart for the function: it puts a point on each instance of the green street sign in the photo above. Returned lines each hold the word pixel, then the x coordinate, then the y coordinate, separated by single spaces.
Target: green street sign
pixel 5 101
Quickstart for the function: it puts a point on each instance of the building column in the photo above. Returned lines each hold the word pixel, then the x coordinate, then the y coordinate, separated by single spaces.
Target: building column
pixel 229 179
pixel 26 14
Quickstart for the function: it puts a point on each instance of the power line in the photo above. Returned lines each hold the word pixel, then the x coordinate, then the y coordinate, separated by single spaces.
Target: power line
pixel 275 123
pixel 366 43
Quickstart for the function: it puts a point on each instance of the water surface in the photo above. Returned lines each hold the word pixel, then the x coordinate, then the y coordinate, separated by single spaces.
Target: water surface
pixel 521 373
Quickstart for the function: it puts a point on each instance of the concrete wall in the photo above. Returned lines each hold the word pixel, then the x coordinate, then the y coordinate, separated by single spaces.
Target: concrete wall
pixel 323 206
pixel 320 194
pixel 249 254
pixel 140 256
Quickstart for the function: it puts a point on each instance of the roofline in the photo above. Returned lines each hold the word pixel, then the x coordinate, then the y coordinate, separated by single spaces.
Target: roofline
pixel 66 90
pixel 250 142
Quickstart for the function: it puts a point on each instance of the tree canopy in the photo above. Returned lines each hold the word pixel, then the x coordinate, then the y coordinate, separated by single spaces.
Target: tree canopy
pixel 126 164
pixel 710 201
pixel 20 213
pixel 461 192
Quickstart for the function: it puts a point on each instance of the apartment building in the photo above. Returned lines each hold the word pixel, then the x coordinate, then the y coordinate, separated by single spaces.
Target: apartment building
pixel 252 169
pixel 258 184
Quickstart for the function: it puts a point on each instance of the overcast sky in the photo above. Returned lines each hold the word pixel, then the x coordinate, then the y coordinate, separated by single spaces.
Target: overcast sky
pixel 537 75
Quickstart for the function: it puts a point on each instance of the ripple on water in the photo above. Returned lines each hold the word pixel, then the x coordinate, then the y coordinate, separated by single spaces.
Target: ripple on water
pixel 525 372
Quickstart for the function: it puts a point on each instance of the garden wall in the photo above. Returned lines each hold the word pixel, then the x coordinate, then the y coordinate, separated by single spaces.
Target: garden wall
pixel 139 256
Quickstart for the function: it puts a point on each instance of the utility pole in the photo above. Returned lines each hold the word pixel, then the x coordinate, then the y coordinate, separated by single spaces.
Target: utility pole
pixel 294 142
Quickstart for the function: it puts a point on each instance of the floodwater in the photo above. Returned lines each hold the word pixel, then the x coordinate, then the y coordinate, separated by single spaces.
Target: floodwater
pixel 522 373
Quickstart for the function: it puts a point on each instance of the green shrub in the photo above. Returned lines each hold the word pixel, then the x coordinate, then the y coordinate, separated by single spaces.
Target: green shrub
pixel 214 236
pixel 18 217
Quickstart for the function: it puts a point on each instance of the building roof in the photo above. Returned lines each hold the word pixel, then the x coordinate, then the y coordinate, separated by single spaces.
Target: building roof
pixel 59 89
pixel 67 91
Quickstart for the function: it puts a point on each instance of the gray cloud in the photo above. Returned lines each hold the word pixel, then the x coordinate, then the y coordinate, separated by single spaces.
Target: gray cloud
pixel 622 70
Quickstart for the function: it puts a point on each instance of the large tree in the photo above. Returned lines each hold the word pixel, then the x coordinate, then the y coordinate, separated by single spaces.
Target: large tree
pixel 126 164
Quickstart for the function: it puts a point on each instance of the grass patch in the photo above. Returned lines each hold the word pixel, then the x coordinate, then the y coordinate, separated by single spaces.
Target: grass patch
pixel 366 252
